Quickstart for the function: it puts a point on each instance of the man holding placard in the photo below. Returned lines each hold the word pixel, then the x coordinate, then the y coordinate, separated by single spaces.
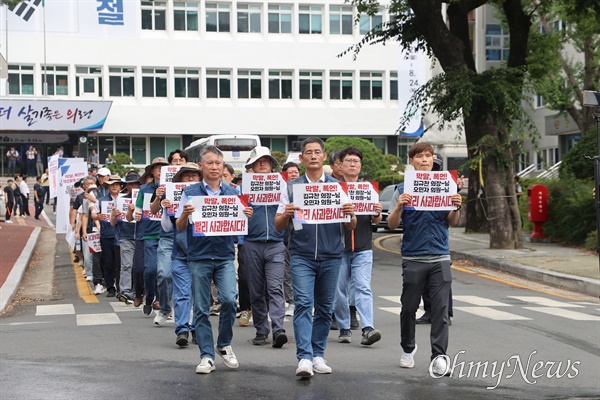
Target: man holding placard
pixel 211 254
pixel 320 210
pixel 429 205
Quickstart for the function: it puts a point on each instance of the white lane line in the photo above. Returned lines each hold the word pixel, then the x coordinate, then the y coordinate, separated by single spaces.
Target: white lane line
pixel 543 301
pixel 496 315
pixel 55 309
pixel 395 299
pixel 119 306
pixel 480 301
pixel 97 319
pixel 561 312
pixel 28 323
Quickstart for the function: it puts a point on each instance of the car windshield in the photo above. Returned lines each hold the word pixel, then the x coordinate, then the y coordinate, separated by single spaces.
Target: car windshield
pixel 386 194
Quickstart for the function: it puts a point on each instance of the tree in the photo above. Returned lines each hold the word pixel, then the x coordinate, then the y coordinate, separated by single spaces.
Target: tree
pixel 374 165
pixel 488 102
pixel 120 165
pixel 575 162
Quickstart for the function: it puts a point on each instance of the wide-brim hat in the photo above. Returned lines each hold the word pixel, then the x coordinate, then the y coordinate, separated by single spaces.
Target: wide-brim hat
pixel 185 168
pixel 91 187
pixel 156 161
pixel 132 177
pixel 114 179
pixel 258 152
pixel 438 162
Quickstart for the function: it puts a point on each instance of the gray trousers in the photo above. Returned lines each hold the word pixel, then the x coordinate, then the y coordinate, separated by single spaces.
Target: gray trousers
pixel 438 278
pixel 127 253
pixel 265 266
pixel 288 290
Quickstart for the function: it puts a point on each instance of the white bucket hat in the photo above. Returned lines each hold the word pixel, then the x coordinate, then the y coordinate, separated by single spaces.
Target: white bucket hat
pixel 258 152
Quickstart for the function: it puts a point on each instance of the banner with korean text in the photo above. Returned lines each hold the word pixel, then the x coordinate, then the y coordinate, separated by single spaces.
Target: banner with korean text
pixel 123 205
pixel 173 191
pixel 364 196
pixel 167 173
pixel 321 203
pixel 146 213
pixel 264 189
pixel 431 191
pixel 219 215
pixel 68 172
pixel 93 242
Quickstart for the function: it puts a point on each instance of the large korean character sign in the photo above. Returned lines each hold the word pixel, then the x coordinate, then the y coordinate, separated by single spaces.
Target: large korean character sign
pixel 264 189
pixel 364 196
pixel 321 202
pixel 431 191
pixel 219 215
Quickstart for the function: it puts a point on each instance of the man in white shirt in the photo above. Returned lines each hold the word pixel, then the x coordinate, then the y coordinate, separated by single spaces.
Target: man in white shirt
pixel 24 188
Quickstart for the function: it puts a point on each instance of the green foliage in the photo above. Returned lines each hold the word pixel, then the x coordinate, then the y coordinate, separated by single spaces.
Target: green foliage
pixel 572 213
pixel 591 243
pixel 574 163
pixel 10 3
pixel 280 157
pixel 394 160
pixel 121 165
pixel 374 165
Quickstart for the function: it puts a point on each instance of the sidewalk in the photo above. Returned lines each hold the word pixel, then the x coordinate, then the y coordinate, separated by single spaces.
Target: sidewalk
pixel 549 263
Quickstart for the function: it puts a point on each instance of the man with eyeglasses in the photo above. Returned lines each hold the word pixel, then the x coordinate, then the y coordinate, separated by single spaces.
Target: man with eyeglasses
pixel 315 256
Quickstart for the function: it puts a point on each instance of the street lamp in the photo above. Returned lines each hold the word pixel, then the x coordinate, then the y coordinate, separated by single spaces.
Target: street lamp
pixel 592 99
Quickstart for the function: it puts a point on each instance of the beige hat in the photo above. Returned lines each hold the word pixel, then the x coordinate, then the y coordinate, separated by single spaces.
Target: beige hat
pixel 185 168
pixel 258 152
pixel 114 179
pixel 156 161
pixel 90 188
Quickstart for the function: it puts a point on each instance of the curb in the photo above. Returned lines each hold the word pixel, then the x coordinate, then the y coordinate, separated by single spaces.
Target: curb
pixel 575 283
pixel 10 287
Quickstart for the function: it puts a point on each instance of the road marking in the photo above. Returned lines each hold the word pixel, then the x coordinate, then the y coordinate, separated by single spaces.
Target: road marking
pixel 561 312
pixel 542 301
pixel 490 313
pixel 84 290
pixel 28 323
pixel 393 310
pixel 377 243
pixel 119 306
pixel 55 309
pixel 480 301
pixel 395 299
pixel 97 319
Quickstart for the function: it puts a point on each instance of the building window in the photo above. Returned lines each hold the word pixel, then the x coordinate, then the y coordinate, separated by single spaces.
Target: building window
pixel 217 17
pixel 539 101
pixel 88 81
pixel 121 81
pixel 57 78
pixel 154 82
pixel 248 18
pixel 20 79
pixel 123 145
pixel 187 83
pixel 185 15
pixel 218 84
pixel 370 22
pixel 310 19
pixel 249 84
pixel 154 15
pixel 340 85
pixel 340 20
pixel 275 144
pixel 393 85
pixel 280 84
pixel 311 85
pixel 497 43
pixel 380 143
pixel 280 19
pixel 138 150
pixel 371 85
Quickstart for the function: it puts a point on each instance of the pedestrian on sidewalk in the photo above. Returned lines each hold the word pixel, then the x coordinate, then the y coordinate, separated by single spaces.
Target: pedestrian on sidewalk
pixel 39 165
pixel 18 207
pixel 31 153
pixel 38 193
pixel 24 188
pixel 9 198
pixel 46 187
pixel 425 261
pixel 12 156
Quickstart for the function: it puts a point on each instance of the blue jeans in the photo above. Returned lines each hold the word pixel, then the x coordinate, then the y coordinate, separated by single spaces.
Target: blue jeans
pixel 182 295
pixel 164 276
pixel 314 284
pixel 223 273
pixel 356 269
pixel 150 248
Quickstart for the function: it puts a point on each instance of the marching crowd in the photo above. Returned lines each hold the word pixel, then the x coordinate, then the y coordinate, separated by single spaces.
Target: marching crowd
pixel 320 274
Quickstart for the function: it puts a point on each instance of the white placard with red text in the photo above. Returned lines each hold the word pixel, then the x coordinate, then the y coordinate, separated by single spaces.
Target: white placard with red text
pixel 264 189
pixel 146 213
pixel 106 207
pixel 167 173
pixel 173 191
pixel 93 242
pixel 321 203
pixel 364 196
pixel 430 190
pixel 219 215
pixel 123 205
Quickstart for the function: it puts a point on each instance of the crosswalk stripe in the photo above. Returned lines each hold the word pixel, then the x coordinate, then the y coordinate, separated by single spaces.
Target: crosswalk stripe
pixel 393 310
pixel 561 312
pixel 543 301
pixel 395 299
pixel 97 319
pixel 55 309
pixel 119 306
pixel 480 301
pixel 491 313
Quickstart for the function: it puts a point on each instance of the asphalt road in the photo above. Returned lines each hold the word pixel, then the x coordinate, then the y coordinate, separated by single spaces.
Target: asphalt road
pixel 529 343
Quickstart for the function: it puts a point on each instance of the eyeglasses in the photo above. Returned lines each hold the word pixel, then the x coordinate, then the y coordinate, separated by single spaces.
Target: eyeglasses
pixel 352 161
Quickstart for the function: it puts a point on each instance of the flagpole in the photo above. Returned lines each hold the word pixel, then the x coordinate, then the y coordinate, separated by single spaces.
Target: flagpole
pixel 45 86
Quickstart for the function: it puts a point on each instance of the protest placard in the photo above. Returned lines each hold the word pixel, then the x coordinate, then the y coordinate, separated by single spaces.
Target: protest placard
pixel 106 207
pixel 173 191
pixel 219 215
pixel 93 242
pixel 321 202
pixel 364 196
pixel 431 191
pixel 264 189
pixel 167 173
pixel 123 205
pixel 146 213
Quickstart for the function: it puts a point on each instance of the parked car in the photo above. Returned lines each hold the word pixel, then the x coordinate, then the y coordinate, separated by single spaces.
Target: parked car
pixel 385 198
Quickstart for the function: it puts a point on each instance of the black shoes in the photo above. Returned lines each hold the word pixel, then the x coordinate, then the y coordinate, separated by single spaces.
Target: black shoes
pixel 182 339
pixel 147 309
pixel 125 298
pixel 279 339
pixel 370 336
pixel 353 319
pixel 194 341
pixel 425 319
pixel 111 293
pixel 260 340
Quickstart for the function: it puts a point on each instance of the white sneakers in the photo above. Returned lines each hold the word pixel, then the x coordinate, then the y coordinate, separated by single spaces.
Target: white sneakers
pixel 305 368
pixel 89 278
pixel 161 318
pixel 206 366
pixel 9 222
pixel 289 310
pixel 407 360
pixel 99 289
pixel 228 357
pixel 439 366
pixel 320 366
